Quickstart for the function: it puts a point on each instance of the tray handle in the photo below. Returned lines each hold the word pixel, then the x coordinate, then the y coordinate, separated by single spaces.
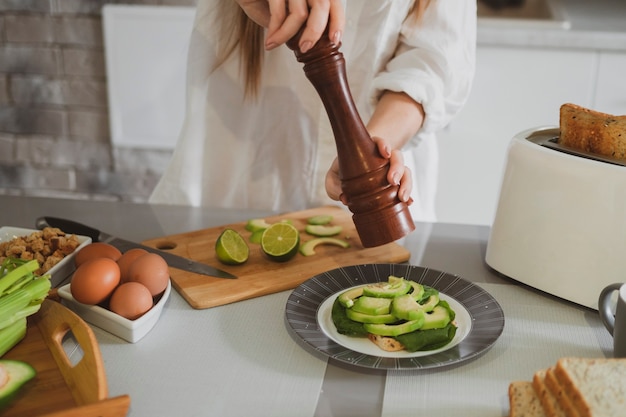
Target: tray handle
pixel 86 379
pixel 111 407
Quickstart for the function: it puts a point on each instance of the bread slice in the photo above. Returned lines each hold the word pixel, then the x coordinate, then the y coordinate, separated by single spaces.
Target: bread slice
pixel 524 401
pixel 592 131
pixel 596 387
pixel 386 343
pixel 560 393
pixel 549 402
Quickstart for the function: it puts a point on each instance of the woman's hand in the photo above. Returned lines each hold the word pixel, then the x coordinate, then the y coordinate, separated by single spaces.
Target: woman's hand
pixel 283 19
pixel 398 174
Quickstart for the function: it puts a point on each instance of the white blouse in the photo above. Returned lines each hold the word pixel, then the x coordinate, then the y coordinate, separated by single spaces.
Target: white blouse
pixel 273 152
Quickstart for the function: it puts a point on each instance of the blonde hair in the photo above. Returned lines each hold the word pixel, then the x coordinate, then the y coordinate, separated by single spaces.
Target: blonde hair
pixel 239 32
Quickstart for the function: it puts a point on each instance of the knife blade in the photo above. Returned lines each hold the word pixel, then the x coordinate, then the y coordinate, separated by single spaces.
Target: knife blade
pixel 174 261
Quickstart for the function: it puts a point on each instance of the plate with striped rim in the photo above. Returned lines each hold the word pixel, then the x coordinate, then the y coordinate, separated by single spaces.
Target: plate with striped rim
pixel 479 317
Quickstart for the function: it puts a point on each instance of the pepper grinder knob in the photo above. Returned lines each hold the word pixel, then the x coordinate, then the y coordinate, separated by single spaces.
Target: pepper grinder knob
pixel 379 215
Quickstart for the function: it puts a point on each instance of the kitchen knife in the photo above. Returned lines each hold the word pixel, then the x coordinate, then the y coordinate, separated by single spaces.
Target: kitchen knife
pixel 174 261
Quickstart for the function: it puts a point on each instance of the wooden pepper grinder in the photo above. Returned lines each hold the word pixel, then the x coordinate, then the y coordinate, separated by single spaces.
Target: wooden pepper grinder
pixel 378 214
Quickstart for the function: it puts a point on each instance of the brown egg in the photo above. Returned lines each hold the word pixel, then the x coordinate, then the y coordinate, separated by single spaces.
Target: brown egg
pixel 131 300
pixel 126 260
pixel 96 250
pixel 150 270
pixel 95 280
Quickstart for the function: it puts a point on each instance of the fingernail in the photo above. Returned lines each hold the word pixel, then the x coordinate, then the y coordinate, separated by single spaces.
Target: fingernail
pixel 396 179
pixel 306 46
pixel 387 151
pixel 336 38
pixel 270 46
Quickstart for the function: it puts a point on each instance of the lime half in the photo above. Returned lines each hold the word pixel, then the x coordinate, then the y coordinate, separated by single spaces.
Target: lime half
pixel 231 248
pixel 280 241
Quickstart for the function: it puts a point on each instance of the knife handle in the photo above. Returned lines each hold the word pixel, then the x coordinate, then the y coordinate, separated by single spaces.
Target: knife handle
pixel 68 226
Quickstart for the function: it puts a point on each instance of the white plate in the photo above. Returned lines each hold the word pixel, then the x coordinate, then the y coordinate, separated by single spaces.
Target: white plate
pixel 61 270
pixel 463 321
pixel 129 330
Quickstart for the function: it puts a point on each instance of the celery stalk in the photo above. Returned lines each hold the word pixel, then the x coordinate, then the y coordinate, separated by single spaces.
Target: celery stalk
pixel 32 293
pixel 18 315
pixel 14 275
pixel 10 336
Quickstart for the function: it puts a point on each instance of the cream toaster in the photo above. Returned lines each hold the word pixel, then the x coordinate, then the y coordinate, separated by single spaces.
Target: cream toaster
pixel 560 223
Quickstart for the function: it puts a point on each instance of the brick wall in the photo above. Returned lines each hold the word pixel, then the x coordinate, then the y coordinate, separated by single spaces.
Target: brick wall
pixel 54 133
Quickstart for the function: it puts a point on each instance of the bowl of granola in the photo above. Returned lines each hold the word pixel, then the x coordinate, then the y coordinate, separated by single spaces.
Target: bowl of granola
pixel 53 248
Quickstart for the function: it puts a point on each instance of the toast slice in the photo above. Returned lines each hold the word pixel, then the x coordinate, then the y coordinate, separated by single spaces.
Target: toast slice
pixel 559 392
pixel 388 344
pixel 592 131
pixel 596 387
pixel 524 401
pixel 549 402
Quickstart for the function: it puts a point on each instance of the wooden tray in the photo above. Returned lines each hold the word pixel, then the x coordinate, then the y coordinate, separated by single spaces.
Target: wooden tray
pixel 62 388
pixel 259 275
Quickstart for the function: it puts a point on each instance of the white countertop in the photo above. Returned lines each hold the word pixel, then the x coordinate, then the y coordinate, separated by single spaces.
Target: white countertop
pixel 241 359
pixel 597 25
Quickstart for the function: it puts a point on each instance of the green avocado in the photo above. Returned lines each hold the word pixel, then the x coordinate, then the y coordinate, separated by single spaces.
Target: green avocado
pixel 436 319
pixel 418 290
pixel 347 298
pixel 372 305
pixel 13 375
pixel 405 307
pixel 393 330
pixel 320 219
pixel 344 325
pixel 394 287
pixel 370 318
pixel 254 225
pixel 308 248
pixel 322 230
pixel 430 303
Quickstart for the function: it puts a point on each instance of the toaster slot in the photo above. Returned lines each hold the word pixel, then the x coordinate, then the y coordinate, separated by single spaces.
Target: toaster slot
pixel 549 138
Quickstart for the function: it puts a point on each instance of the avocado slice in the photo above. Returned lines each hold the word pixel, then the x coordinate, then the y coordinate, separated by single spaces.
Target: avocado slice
pixel 418 290
pixel 372 305
pixel 322 230
pixel 347 298
pixel 382 319
pixel 344 325
pixel 13 375
pixel 395 329
pixel 436 319
pixel 394 287
pixel 308 248
pixel 254 225
pixel 405 307
pixel 430 303
pixel 320 219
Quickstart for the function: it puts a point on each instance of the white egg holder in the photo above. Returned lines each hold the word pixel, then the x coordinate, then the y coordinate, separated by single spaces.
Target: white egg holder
pixel 60 271
pixel 129 330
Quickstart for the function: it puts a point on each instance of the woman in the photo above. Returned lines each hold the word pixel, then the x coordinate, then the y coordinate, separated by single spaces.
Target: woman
pixel 256 134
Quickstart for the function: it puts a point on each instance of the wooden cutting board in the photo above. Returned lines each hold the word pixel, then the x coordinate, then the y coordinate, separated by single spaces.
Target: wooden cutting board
pixel 259 275
pixel 62 387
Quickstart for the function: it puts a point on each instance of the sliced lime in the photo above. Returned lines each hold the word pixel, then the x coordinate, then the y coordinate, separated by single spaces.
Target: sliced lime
pixel 231 248
pixel 280 241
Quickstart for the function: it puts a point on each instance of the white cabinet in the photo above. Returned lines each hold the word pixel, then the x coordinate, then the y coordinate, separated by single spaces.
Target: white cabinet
pixel 514 89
